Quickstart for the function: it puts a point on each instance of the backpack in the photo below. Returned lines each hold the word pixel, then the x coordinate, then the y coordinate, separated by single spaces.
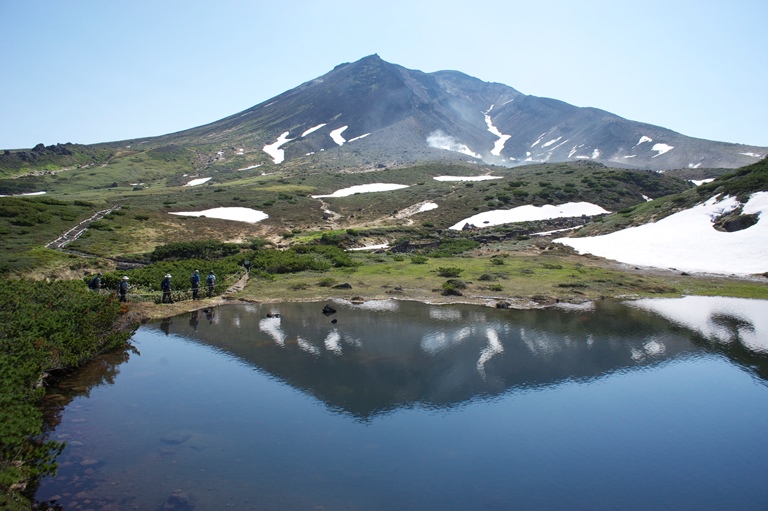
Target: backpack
pixel 210 280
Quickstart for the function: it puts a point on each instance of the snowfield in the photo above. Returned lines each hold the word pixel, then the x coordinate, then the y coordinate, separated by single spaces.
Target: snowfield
pixel 688 240
pixel 249 215
pixel 374 187
pixel 530 213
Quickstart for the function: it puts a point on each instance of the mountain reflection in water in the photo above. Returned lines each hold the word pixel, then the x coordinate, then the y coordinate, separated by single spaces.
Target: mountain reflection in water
pixel 384 405
pixel 379 356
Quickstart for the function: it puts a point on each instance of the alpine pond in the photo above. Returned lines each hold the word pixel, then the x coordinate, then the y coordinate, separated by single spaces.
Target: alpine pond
pixel 403 405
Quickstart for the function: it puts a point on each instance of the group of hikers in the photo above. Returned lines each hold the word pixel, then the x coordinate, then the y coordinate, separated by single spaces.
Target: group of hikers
pixel 165 286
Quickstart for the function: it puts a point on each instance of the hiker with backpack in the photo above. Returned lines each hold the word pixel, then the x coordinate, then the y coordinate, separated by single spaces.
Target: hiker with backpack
pixel 95 283
pixel 195 281
pixel 165 286
pixel 210 281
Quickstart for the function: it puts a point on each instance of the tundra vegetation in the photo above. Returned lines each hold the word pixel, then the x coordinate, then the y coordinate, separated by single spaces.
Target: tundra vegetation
pixel 51 322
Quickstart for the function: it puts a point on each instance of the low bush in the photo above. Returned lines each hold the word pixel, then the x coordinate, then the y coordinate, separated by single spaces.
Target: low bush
pixel 449 272
pixel 44 326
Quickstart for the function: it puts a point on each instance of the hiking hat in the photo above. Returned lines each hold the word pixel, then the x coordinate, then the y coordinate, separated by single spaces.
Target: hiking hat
pixel 168 275
pixel 126 278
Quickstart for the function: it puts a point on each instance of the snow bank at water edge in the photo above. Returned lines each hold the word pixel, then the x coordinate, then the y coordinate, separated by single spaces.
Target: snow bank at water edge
pixel 688 240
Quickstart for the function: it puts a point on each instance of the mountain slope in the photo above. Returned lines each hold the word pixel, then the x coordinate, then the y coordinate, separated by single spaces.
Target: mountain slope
pixel 409 115
pixel 371 114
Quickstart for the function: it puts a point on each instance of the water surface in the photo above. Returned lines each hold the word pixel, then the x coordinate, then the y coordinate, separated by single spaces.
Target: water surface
pixel 400 405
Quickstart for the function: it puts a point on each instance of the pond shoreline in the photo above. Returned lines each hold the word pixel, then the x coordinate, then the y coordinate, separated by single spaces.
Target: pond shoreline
pixel 544 298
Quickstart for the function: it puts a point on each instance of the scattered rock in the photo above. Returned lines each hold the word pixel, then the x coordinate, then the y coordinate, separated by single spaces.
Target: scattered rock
pixel 503 305
pixel 328 310
pixel 178 501
pixel 345 285
pixel 176 437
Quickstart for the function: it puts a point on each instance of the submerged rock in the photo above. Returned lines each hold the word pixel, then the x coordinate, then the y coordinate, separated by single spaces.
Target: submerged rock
pixel 176 437
pixel 178 501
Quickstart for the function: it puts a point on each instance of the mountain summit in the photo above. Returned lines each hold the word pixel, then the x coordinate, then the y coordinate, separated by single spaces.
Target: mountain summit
pixel 374 111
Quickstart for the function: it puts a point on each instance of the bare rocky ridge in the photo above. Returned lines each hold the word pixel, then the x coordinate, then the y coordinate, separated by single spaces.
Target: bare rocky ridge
pixel 373 113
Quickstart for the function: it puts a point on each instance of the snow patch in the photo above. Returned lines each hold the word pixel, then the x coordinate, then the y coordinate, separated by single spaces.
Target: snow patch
pixel 374 187
pixel 530 213
pixel 248 215
pixel 699 182
pixel 336 135
pixel 643 139
pixel 753 155
pixel 199 181
pixel 427 206
pixel 277 154
pixel 465 178
pixel 358 138
pixel 369 247
pixel 688 241
pixel 547 144
pixel 24 194
pixel 499 145
pixel 251 167
pixel 661 149
pixel 312 129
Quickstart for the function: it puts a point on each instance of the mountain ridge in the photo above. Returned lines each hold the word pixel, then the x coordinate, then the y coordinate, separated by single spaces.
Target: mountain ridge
pixel 371 113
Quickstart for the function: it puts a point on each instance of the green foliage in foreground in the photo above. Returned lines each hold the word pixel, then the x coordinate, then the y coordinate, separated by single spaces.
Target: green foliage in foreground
pixel 44 326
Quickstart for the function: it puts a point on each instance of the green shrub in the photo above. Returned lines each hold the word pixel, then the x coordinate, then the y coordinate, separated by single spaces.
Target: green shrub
pixel 449 272
pixel 209 249
pixel 44 326
pixel 419 259
pixel 453 287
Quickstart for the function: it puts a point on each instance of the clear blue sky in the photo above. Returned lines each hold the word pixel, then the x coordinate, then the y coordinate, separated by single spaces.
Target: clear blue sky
pixel 95 71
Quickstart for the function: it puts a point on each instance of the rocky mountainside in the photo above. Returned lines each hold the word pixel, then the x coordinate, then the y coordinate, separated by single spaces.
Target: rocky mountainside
pixel 373 111
pixel 374 114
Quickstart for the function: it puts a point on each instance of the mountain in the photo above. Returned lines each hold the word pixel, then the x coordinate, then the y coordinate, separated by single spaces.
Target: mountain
pixel 374 114
pixel 371 111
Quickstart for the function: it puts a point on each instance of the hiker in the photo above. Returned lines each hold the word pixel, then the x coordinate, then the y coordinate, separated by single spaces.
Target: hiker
pixel 122 289
pixel 195 281
pixel 165 285
pixel 210 280
pixel 95 283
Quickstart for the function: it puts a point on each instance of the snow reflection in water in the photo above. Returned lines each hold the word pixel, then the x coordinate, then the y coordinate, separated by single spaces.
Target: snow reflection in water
pixel 457 407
